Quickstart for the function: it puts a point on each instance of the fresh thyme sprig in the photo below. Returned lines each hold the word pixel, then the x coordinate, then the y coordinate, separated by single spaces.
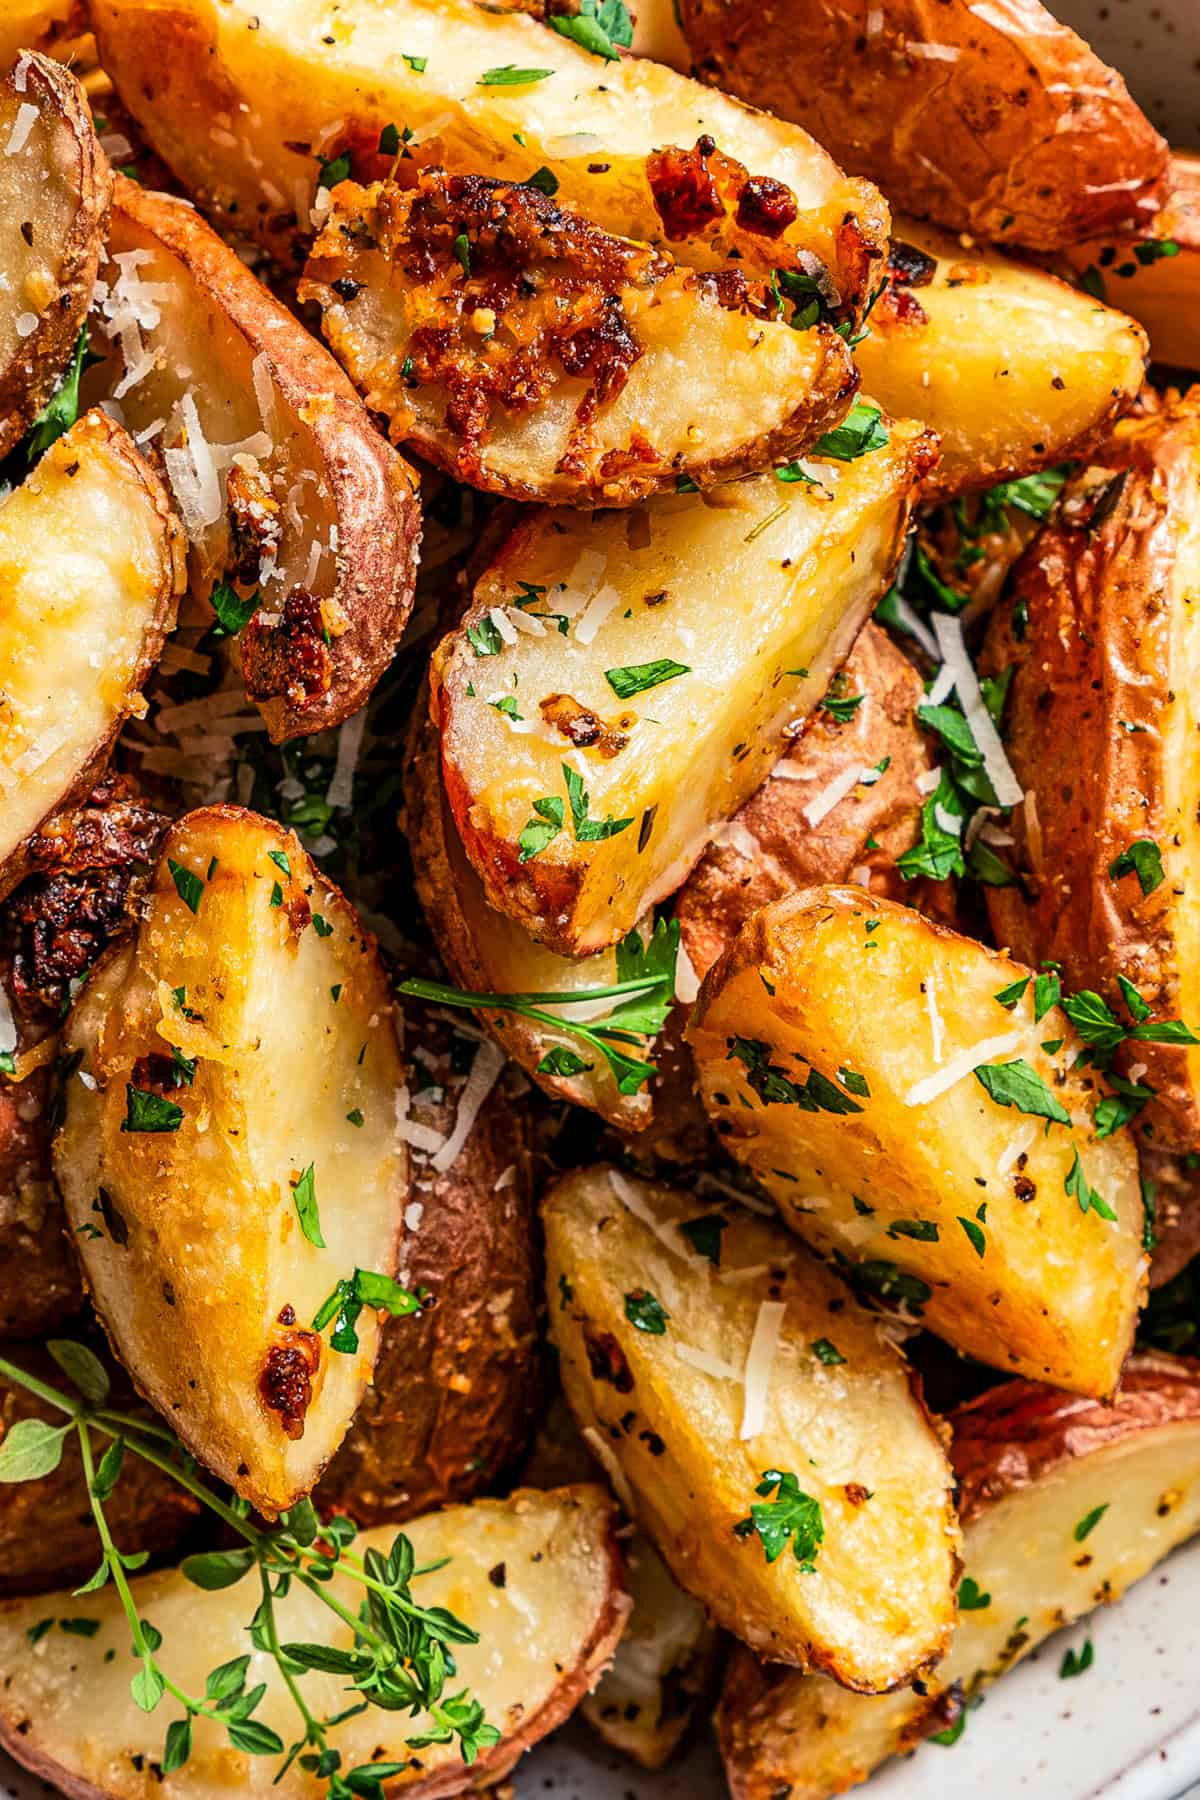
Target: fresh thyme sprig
pixel 400 1657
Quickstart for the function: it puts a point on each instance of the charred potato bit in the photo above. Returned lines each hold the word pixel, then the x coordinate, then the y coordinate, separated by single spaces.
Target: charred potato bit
pixel 527 352
pixel 1014 370
pixel 1063 1506
pixel 693 1374
pixel 640 150
pixel 91 567
pixel 578 821
pixel 56 187
pixel 236 1085
pixel 282 482
pixel 549 1629
pixel 803 826
pixel 950 1162
pixel 1101 726
pixel 995 120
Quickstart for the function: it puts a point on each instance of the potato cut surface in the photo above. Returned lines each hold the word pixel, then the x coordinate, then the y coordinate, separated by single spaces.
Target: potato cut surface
pixel 625 140
pixel 692 1378
pixel 1064 1507
pixel 1013 369
pixel 546 1631
pixel 90 572
pixel 212 1136
pixel 527 352
pixel 621 684
pixel 54 194
pixel 836 1045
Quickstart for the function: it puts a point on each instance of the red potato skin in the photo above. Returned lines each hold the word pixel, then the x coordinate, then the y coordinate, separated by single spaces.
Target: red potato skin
pixel 732 880
pixel 374 490
pixel 1095 651
pixel 1016 132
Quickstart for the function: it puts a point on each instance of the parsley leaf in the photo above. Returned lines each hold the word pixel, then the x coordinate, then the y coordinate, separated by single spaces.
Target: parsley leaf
pixel 145 1111
pixel 638 678
pixel 587 830
pixel 562 1061
pixel 536 833
pixel 1074 1663
pixel 1076 1184
pixel 188 886
pixel 598 26
pixel 509 75
pixel 1143 859
pixel 704 1235
pixel 484 637
pixel 62 409
pixel 233 613
pixel 304 1193
pixel 859 433
pixel 826 1353
pixel 1016 1084
pixel 1089 1522
pixel 646 1313
pixel 969 1597
pixel 792 1516
pixel 774 1087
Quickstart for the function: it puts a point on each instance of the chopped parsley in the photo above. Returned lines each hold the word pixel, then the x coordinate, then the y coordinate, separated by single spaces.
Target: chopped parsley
pixel 859 433
pixel 588 830
pixel 826 1353
pixel 146 1111
pixel 646 1313
pixel 304 1194
pixel 542 830
pixel 704 1235
pixel 638 678
pixel 333 170
pixel 1143 859
pixel 562 1061
pixel 484 637
pixel 1016 1084
pixel 233 613
pixel 791 1517
pixel 188 886
pixel 1077 1662
pixel 774 1087
pixel 599 26
pixel 509 75
pixel 969 1597
pixel 344 1305
pixel 1089 1522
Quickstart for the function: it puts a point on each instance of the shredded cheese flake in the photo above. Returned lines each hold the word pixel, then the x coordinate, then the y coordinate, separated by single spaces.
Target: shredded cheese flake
pixel 485 1072
pixel 987 738
pixel 705 1362
pixel 760 1361
pixel 23 124
pixel 835 791
pixel 932 1086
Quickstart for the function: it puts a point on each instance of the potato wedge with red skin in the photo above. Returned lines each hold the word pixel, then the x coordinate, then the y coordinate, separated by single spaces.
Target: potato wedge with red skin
pixel 546 1632
pixel 1013 369
pixel 1156 285
pixel 655 769
pixel 1033 1466
pixel 688 1418
pixel 224 1050
pixel 287 487
pixel 996 120
pixel 91 568
pixel 1101 720
pixel 527 352
pixel 886 1151
pixel 56 192
pixel 772 847
pixel 634 146
pixel 455 1388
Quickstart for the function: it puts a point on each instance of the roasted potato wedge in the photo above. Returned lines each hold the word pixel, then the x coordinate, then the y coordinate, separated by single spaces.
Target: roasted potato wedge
pixel 1101 719
pixel 486 952
pixel 56 192
pixel 638 149
pixel 524 350
pixel 1063 1506
pixel 665 1664
pixel 923 1185
pixel 47 1532
pixel 282 482
pixel 91 567
pixel 455 1389
pixel 997 120
pixel 580 810
pixel 1013 369
pixel 548 1626
pixel 693 1378
pixel 806 825
pixel 1155 276
pixel 236 1094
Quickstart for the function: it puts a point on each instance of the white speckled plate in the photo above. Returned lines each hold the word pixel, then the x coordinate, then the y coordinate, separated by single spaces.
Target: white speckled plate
pixel 1129 1728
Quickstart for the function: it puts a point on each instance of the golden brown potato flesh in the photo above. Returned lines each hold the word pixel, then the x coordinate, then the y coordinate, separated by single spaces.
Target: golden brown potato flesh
pixel 810 822
pixel 47 1533
pixel 547 1627
pixel 1101 724
pixel 55 186
pixel 32 25
pixel 527 352
pixel 664 1666
pixel 1014 370
pixel 486 952
pixel 91 566
pixel 455 1388
pixel 1155 275
pixel 236 1093
pixel 962 1194
pixel 600 718
pixel 1063 1506
pixel 283 483
pixel 635 147
pixel 692 1378
pixel 996 119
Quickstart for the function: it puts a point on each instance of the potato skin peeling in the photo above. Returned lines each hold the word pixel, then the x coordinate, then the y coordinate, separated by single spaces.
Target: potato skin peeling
pixel 252 972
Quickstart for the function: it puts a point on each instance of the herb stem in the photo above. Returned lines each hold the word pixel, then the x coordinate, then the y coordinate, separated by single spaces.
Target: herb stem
pixel 450 996
pixel 52 1397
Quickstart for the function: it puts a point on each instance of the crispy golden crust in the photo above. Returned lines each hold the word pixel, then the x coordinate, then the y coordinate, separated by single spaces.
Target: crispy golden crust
pixel 1100 733
pixel 997 121
pixel 47 1534
pixel 770 848
pixel 311 668
pixel 455 1389
pixel 530 353
pixel 57 191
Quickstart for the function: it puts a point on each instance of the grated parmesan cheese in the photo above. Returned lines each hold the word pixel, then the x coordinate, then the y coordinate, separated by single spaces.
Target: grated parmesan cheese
pixel 8 1027
pixel 23 124
pixel 915 625
pixel 760 1361
pixel 419 1137
pixel 1015 1148
pixel 823 803
pixel 928 780
pixel 934 52
pixel 943 681
pixel 500 620
pixel 25 324
pixel 667 1234
pixel 595 613
pixel 960 1066
pixel 340 791
pixel 935 1017
pixel 687 982
pixel 706 1363
pixel 486 1066
pixel 987 738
